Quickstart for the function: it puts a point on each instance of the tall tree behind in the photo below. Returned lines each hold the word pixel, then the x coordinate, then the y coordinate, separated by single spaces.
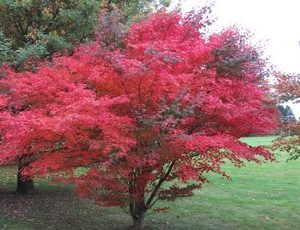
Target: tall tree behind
pixel 36 29
pixel 287 120
pixel 39 28
pixel 287 88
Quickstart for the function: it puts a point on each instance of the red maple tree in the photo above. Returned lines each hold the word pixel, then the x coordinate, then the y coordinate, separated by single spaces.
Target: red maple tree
pixel 136 117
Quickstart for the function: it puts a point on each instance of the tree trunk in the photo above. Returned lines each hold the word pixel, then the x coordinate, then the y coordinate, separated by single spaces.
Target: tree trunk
pixel 24 184
pixel 138 211
pixel 138 223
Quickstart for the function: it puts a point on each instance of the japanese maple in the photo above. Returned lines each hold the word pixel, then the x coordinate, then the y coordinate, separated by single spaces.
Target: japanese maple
pixel 136 117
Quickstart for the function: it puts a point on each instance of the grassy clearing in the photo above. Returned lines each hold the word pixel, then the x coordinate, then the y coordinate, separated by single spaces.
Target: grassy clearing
pixel 257 197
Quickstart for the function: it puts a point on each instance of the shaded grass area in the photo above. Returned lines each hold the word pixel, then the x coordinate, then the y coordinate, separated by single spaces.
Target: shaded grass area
pixel 257 197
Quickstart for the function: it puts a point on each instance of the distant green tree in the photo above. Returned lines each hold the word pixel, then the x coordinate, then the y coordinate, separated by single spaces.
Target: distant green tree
pixel 6 52
pixel 39 28
pixel 36 29
pixel 287 115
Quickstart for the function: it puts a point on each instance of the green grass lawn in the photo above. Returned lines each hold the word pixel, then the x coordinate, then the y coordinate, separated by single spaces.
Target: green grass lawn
pixel 263 196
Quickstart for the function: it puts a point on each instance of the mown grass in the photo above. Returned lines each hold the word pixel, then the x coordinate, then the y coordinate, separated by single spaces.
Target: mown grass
pixel 257 197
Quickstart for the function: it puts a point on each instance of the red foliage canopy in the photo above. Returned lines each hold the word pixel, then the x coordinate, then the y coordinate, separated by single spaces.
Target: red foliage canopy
pixel 136 117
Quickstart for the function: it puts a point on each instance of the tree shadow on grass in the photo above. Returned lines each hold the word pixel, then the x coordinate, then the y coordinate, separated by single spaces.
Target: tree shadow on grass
pixel 54 207
pixel 41 209
pixel 60 209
